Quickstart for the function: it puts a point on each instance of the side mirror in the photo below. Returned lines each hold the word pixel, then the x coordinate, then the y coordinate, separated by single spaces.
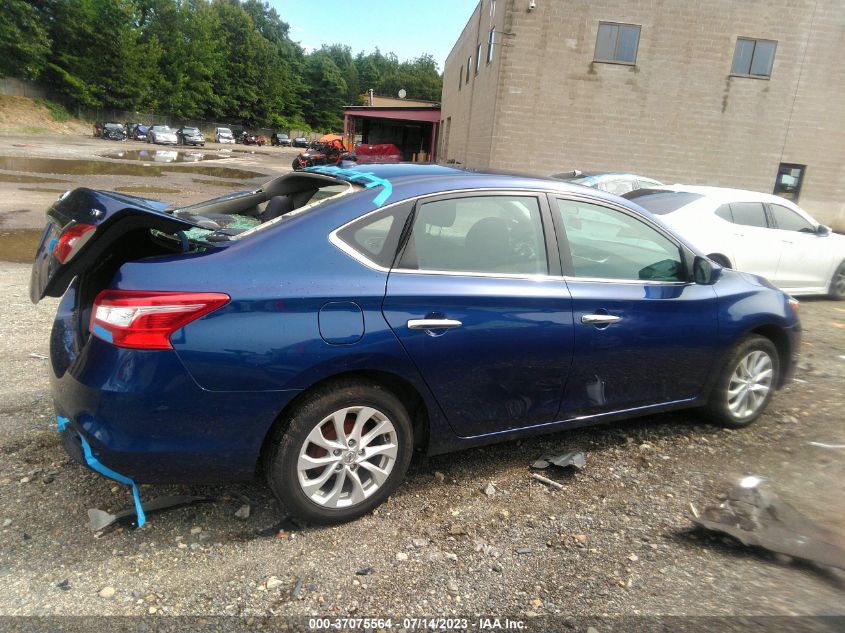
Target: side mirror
pixel 822 230
pixel 705 272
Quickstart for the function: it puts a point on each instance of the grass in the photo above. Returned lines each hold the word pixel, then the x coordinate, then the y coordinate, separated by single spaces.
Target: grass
pixel 57 110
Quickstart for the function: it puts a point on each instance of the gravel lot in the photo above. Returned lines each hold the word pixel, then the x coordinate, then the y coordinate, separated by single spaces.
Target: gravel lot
pixel 614 540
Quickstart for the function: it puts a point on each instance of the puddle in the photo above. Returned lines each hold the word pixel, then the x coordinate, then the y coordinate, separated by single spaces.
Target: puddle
pixel 25 178
pixel 18 245
pixel 147 189
pixel 218 183
pixel 106 168
pixel 163 156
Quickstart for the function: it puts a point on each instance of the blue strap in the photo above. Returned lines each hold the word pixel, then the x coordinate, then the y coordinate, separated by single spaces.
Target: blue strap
pixel 368 179
pixel 94 463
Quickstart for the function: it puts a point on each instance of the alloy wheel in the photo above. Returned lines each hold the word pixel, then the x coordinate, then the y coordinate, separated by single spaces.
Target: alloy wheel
pixel 750 384
pixel 347 457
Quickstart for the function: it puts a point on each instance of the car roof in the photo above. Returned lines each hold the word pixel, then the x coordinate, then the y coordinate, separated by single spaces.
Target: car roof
pixel 727 194
pixel 414 179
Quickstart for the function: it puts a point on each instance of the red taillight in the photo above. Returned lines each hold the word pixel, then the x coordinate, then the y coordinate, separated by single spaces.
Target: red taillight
pixel 71 239
pixel 145 320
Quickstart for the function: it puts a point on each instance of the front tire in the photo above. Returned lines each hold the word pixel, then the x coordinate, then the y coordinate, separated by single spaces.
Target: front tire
pixel 837 284
pixel 747 383
pixel 340 453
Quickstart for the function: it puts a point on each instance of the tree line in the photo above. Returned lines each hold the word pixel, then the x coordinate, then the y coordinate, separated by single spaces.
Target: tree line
pixel 226 60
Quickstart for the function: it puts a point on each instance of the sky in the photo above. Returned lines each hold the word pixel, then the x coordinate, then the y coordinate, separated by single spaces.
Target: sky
pixel 408 28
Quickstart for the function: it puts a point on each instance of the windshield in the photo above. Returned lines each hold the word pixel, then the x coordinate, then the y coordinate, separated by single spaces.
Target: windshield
pixel 224 130
pixel 161 128
pixel 114 126
pixel 190 130
pixel 660 202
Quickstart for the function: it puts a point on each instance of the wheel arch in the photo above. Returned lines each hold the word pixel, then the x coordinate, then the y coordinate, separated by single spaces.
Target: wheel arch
pixel 783 346
pixel 406 392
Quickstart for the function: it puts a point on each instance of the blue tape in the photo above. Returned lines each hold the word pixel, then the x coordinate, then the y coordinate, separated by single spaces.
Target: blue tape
pixel 103 333
pixel 94 464
pixel 368 179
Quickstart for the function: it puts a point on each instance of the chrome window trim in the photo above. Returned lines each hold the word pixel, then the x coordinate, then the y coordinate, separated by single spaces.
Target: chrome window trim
pixel 352 252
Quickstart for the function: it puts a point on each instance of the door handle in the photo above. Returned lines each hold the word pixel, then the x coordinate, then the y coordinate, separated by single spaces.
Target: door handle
pixel 600 319
pixel 433 324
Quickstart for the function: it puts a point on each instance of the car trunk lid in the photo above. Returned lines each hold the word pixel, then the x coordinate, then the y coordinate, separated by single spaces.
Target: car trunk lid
pixel 82 226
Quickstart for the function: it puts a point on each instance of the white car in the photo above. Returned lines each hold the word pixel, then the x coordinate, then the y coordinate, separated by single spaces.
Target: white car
pixel 161 135
pixel 754 232
pixel 223 135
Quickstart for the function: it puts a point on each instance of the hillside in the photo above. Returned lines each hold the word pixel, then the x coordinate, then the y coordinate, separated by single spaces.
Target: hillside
pixel 22 115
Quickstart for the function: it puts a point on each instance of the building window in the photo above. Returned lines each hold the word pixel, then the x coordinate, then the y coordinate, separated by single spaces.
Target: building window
pixel 491 36
pixel 789 180
pixel 477 58
pixel 753 58
pixel 617 43
pixel 461 78
pixel 469 67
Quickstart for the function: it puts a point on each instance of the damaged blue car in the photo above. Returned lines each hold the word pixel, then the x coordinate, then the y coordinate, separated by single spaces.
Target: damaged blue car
pixel 320 329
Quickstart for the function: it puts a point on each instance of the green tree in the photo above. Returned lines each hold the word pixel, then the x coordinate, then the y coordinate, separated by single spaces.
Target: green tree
pixel 24 43
pixel 326 94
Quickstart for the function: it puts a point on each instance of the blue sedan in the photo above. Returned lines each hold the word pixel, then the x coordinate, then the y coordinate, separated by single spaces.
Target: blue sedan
pixel 322 328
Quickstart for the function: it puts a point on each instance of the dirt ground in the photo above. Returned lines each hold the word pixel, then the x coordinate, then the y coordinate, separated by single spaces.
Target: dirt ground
pixel 614 540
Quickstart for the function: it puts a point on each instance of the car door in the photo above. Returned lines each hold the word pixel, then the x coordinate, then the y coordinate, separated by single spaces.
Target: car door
pixel 643 332
pixel 804 260
pixel 473 302
pixel 756 247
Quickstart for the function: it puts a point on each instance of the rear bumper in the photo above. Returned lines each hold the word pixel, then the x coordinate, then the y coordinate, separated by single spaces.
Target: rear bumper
pixel 145 418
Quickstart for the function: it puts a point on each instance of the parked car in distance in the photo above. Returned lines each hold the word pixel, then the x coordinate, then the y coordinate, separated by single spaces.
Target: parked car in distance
pixel 223 135
pixel 611 182
pixel 441 309
pixel 300 141
pixel 110 131
pixel 190 136
pixel 280 139
pixel 161 135
pixel 139 132
pixel 754 232
pixel 248 138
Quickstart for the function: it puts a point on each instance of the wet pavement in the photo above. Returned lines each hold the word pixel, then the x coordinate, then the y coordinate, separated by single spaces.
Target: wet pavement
pixel 34 170
pixel 165 155
pixel 18 245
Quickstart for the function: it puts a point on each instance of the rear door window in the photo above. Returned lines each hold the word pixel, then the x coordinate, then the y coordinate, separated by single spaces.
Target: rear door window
pixel 375 237
pixel 749 214
pixel 496 234
pixel 606 243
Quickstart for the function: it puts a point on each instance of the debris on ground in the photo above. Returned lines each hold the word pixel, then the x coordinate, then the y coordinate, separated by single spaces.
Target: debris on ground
pixel 756 516
pixel 38 356
pixel 297 587
pixel 575 459
pixel 490 490
pixel 547 481
pixel 99 520
pixel 283 527
pixel 242 513
pixel 365 571
pixel 824 445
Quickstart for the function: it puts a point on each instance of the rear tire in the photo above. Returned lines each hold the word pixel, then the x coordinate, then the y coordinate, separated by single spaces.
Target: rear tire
pixel 746 384
pixel 837 284
pixel 340 452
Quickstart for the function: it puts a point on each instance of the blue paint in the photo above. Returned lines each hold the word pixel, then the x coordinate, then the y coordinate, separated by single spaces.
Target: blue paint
pixel 52 244
pixel 61 423
pixel 103 333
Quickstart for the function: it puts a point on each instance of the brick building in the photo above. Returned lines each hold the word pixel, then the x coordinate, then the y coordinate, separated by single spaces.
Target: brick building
pixel 744 94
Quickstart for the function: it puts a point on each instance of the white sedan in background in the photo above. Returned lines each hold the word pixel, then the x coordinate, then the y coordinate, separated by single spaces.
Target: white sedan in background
pixel 754 232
